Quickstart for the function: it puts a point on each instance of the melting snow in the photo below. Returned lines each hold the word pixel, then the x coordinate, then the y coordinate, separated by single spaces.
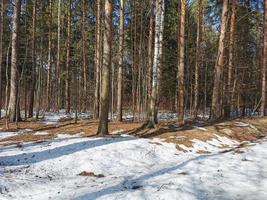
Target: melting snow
pixel 133 168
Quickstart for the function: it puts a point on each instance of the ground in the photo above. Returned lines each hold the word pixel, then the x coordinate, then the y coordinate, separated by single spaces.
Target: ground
pixel 57 159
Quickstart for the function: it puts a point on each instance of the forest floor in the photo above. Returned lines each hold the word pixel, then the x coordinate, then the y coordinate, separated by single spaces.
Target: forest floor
pixel 56 158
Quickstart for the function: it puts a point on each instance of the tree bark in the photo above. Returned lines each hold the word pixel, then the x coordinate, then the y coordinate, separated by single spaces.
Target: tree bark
pixel 68 59
pixel 198 55
pixel 120 69
pixel 227 108
pixel 150 57
pixel 181 64
pixel 58 57
pixel 105 84
pixel 33 69
pixel 2 10
pixel 13 108
pixel 216 95
pixel 159 25
pixel 49 60
pixel 97 60
pixel 264 63
pixel 84 58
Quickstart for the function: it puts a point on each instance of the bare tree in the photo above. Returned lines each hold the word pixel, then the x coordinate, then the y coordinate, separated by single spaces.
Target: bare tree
pixel 105 75
pixel 68 60
pixel 97 60
pixel 181 63
pixel 216 95
pixel 264 63
pixel 2 10
pixel 120 70
pixel 198 55
pixel 159 21
pixel 33 68
pixel 13 107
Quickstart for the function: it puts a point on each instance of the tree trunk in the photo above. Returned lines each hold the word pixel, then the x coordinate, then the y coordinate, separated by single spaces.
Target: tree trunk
pixel 150 57
pixel 181 63
pixel 33 69
pixel 49 61
pixel 120 70
pixel 13 108
pixel 58 96
pixel 84 58
pixel 68 60
pixel 198 55
pixel 2 10
pixel 105 84
pixel 264 63
pixel 227 107
pixel 159 22
pixel 97 60
pixel 216 95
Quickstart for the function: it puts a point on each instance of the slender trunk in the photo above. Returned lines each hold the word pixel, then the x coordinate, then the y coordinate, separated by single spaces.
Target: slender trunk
pixel 68 60
pixel 97 60
pixel 227 108
pixel 159 21
pixel 2 10
pixel 33 69
pixel 58 57
pixel 264 63
pixel 216 95
pixel 198 55
pixel 13 109
pixel 150 57
pixel 49 61
pixel 84 58
pixel 181 63
pixel 105 85
pixel 120 70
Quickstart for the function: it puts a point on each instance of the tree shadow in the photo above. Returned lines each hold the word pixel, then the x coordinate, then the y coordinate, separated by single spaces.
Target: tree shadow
pixel 35 157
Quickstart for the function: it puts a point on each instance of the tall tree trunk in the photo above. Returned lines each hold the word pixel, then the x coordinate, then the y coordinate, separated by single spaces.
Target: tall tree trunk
pixel 58 96
pixel 159 25
pixel 33 69
pixel 49 61
pixel 13 108
pixel 264 63
pixel 227 108
pixel 97 60
pixel 216 95
pixel 2 10
pixel 68 61
pixel 150 57
pixel 181 64
pixel 84 58
pixel 198 55
pixel 120 70
pixel 105 85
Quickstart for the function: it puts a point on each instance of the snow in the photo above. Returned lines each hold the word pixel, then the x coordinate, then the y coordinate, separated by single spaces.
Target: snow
pixel 133 168
pixel 5 134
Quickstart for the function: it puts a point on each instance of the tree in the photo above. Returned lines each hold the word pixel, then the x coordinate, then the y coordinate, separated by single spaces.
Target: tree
pixel 58 56
pixel 264 63
pixel 2 9
pixel 231 60
pixel 105 75
pixel 68 59
pixel 198 54
pixel 217 87
pixel 181 63
pixel 33 68
pixel 49 57
pixel 159 21
pixel 13 107
pixel 120 69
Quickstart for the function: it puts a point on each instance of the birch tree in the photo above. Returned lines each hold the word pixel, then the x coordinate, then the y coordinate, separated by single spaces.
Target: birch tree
pixel 159 25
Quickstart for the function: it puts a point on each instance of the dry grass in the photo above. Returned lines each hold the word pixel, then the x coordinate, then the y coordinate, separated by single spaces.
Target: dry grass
pixel 238 129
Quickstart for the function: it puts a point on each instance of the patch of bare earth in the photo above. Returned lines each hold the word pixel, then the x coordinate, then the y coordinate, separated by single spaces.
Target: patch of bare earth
pixel 238 129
